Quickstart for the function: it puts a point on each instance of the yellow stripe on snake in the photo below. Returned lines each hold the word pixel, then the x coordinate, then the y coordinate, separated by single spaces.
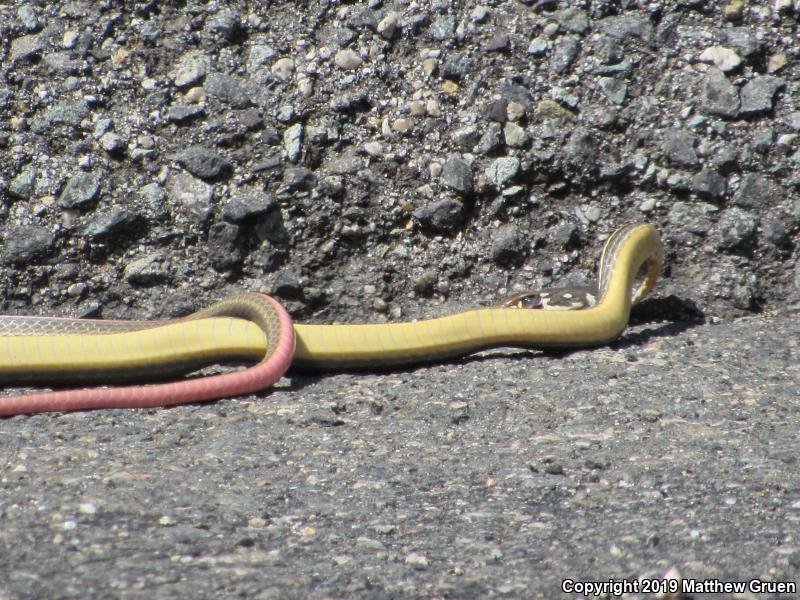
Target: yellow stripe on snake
pixel 252 326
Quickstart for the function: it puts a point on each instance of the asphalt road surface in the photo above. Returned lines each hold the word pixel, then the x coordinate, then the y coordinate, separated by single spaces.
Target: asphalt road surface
pixel 673 451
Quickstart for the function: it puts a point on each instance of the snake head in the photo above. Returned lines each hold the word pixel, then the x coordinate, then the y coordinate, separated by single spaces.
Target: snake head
pixel 573 298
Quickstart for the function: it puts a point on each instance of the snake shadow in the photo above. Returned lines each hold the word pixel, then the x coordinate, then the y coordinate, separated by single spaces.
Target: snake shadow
pixel 673 315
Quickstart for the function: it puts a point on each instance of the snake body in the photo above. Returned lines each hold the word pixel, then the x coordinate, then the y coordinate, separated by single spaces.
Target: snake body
pixel 252 326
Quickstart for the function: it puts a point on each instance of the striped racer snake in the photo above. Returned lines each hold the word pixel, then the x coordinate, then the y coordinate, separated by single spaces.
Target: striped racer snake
pixel 255 327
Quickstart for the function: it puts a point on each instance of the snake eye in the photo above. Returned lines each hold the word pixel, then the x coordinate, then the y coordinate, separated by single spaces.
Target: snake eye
pixel 533 301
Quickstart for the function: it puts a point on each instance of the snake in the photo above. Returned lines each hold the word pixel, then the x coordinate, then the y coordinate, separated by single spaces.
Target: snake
pixel 253 327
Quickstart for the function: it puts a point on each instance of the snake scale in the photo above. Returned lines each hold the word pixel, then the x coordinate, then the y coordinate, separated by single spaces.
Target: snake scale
pixel 255 327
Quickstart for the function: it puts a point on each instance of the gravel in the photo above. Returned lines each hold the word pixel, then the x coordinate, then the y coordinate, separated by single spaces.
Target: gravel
pixel 155 157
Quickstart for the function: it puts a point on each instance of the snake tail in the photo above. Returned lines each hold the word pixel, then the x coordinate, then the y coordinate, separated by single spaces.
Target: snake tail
pixel 265 313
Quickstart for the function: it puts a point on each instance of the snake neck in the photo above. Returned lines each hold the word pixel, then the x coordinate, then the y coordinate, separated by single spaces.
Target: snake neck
pixel 629 266
pixel 370 346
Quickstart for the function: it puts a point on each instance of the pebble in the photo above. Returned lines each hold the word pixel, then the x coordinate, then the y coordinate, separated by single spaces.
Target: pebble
pixel 351 102
pixel 564 53
pixel 25 244
pixel 374 149
pixel 538 46
pixel 63 113
pixel 363 19
pixel 62 63
pixel 260 55
pixel 725 159
pixel 719 97
pixel 190 196
pixel 496 110
pixel 733 10
pixel 195 95
pixel 627 26
pixel 515 111
pixel 457 175
pixel 305 85
pixel 508 246
pixel 457 66
pixel 224 249
pixel 402 125
pixel 503 170
pixel 550 109
pixel 283 68
pixel 708 183
pixel 112 143
pixel 567 234
pixel 417 108
pixel 497 42
pixel 204 163
pixel 758 94
pixel 775 232
pixel 677 181
pixel 744 40
pixel 573 19
pixel 480 13
pixel 692 217
pixel 450 88
pixel 379 305
pixel 776 62
pixel 417 561
pixel 737 229
pixel 426 282
pixel 444 215
pixel 247 204
pixel 429 65
pixel 784 6
pixel 615 89
pixel 515 136
pixel 27 16
pixel 22 185
pixel 489 141
pixel 287 285
pixel 70 39
pixel 678 147
pixel 443 27
pixel 388 25
pixel 724 58
pixel 251 119
pixel 189 75
pixel 466 137
pixel 285 113
pixel 225 25
pixel 148 271
pixel 581 151
pixel 27 47
pixel 648 205
pixel 550 30
pixel 154 197
pixel 228 89
pixel 786 140
pixel 299 178
pixel 756 191
pixel 292 141
pixel 76 289
pixel 348 60
pixel 116 222
pixel 81 190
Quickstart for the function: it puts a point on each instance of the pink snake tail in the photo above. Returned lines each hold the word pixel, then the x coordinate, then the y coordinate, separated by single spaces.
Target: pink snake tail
pixel 237 383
